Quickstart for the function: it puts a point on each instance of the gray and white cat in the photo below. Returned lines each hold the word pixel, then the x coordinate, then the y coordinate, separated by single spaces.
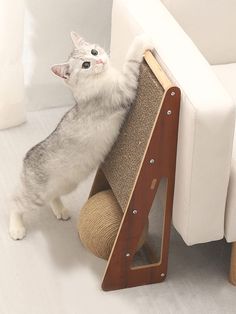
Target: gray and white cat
pixel 85 134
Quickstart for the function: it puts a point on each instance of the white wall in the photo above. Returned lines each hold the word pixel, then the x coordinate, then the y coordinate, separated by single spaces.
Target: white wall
pixel 47 41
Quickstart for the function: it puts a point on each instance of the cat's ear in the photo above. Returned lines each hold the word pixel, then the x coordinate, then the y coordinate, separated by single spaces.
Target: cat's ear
pixel 61 70
pixel 77 39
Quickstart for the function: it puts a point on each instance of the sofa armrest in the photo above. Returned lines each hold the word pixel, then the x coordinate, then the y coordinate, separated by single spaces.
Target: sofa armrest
pixel 207 117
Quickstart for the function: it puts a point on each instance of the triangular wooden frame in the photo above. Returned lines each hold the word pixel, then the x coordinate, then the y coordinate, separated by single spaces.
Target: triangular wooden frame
pixel 158 161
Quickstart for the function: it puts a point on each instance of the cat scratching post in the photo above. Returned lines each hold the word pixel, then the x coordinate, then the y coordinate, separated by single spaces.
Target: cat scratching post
pixel 144 153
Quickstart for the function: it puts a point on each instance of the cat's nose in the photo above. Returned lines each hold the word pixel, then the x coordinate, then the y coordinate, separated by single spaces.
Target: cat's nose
pixel 99 61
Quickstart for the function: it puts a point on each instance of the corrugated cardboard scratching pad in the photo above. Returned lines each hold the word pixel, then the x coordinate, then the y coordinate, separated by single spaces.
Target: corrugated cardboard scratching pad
pixel 99 222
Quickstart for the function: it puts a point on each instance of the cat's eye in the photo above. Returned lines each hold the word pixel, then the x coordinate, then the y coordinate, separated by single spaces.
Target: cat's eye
pixel 94 52
pixel 86 65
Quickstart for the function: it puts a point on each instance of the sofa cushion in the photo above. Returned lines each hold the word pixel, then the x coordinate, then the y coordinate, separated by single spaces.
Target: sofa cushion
pixel 227 75
pixel 209 24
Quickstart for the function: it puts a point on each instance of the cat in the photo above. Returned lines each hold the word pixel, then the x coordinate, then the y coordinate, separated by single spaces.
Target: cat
pixel 85 134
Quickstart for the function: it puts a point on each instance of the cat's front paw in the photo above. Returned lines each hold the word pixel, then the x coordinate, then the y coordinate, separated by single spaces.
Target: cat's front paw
pixel 63 215
pixel 140 45
pixel 17 232
pixel 144 43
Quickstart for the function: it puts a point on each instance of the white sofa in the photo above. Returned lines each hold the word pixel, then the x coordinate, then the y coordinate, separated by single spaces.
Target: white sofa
pixel 193 44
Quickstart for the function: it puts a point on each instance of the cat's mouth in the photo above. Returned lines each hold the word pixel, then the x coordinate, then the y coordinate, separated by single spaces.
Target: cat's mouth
pixel 100 61
pixel 100 66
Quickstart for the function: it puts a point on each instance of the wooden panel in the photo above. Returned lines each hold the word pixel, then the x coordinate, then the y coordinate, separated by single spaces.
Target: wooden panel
pixel 162 148
pixel 232 273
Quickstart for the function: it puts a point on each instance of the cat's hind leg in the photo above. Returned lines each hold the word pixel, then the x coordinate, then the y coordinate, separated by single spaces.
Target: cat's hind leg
pixel 59 210
pixel 17 229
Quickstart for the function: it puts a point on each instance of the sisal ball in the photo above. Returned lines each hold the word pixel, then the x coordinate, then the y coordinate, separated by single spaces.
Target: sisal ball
pixel 98 224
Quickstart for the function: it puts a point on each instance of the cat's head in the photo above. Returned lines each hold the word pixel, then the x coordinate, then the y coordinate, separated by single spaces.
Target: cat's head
pixel 86 60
